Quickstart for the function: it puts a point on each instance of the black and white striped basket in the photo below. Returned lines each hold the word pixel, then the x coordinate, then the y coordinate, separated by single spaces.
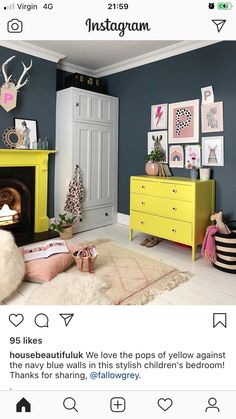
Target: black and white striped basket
pixel 226 251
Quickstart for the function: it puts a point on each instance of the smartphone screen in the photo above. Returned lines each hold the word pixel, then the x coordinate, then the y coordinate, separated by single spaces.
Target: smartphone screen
pixel 117 209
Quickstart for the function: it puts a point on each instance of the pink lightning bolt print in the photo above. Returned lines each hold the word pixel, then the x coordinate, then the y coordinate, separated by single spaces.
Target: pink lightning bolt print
pixel 159 114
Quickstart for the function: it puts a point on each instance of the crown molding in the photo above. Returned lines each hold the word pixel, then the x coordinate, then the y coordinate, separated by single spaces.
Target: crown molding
pixel 34 50
pixel 161 54
pixel 73 68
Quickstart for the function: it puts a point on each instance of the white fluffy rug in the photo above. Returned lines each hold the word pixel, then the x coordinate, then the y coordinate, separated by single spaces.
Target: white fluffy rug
pixel 12 266
pixel 75 288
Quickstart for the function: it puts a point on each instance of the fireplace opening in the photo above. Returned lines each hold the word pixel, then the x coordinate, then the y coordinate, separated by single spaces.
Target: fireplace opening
pixel 17 190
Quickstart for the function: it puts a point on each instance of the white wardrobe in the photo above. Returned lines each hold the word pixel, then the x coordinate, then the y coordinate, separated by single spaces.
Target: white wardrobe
pixel 87 135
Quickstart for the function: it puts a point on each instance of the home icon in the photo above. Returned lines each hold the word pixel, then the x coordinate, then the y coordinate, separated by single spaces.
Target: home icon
pixel 23 406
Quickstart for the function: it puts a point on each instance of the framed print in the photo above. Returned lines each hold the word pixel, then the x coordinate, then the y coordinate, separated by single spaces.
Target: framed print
pixel 212 117
pixel 159 116
pixel 213 151
pixel 184 122
pixel 158 139
pixel 28 128
pixel 176 154
pixel 192 156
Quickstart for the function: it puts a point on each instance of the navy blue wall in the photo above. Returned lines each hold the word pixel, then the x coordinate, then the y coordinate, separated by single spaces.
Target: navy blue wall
pixel 36 100
pixel 176 79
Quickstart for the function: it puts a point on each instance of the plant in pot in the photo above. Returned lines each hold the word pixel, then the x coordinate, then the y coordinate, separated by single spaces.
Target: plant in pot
pixel 64 225
pixel 156 156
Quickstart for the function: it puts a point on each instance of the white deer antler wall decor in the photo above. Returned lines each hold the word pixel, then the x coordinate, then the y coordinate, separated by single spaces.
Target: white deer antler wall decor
pixel 8 93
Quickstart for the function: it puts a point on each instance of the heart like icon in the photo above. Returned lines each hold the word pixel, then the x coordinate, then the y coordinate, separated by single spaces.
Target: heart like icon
pixel 16 319
pixel 165 404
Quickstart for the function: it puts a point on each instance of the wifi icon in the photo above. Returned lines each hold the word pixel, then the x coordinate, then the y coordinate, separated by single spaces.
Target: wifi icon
pixel 10 7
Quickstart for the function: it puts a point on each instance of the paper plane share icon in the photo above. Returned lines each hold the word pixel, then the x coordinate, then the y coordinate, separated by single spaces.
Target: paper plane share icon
pixel 219 23
pixel 67 318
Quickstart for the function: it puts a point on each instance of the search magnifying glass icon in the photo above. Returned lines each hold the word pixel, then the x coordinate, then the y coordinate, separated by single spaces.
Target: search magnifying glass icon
pixel 70 404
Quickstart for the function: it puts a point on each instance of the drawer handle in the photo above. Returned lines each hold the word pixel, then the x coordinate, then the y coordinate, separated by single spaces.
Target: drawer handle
pixel 143 203
pixel 143 187
pixel 77 104
pixel 174 209
pixel 174 190
pixel 173 230
pixel 81 219
pixel 142 222
pixel 106 214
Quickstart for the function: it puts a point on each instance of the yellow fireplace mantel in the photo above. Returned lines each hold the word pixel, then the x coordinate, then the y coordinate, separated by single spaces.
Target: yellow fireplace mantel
pixel 38 159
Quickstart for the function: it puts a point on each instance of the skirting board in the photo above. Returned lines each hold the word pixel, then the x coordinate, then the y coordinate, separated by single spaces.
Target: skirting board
pixel 122 219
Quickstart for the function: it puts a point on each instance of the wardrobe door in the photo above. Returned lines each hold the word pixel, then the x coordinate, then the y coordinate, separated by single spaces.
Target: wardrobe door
pixel 94 153
pixel 93 107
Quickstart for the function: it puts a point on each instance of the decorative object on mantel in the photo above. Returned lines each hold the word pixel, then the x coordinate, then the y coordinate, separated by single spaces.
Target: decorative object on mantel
pixel 64 225
pixel 13 138
pixel 28 129
pixel 8 96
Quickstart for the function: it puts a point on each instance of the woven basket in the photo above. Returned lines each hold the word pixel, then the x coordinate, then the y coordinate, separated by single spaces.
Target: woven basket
pixel 226 251
pixel 85 263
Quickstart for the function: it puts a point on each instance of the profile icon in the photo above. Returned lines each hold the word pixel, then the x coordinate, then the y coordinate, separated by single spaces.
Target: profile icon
pixel 212 402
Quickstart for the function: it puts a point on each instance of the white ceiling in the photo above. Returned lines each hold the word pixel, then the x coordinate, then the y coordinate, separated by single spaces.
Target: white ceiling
pixel 95 55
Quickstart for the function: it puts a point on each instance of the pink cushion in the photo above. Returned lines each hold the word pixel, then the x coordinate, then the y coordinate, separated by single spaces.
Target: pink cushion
pixel 44 270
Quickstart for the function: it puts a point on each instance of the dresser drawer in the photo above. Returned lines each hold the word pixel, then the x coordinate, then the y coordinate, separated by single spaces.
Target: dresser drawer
pixel 95 217
pixel 180 210
pixel 176 191
pixel 166 228
pixel 144 187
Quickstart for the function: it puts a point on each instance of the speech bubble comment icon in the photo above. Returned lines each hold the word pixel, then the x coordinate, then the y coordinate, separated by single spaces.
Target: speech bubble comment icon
pixel 41 320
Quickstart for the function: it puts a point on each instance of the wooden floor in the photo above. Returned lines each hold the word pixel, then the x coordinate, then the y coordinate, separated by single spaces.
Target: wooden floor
pixel 207 286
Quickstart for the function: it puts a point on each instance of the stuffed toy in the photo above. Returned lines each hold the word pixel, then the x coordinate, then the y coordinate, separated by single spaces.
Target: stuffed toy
pixel 222 227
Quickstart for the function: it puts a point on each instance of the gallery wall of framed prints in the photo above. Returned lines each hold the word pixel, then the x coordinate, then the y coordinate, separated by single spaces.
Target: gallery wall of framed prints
pixel 178 128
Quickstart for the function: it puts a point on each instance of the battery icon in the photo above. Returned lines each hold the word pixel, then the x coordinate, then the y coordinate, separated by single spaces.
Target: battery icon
pixel 224 6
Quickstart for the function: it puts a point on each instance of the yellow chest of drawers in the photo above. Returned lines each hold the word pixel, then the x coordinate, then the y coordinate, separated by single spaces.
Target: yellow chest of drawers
pixel 172 208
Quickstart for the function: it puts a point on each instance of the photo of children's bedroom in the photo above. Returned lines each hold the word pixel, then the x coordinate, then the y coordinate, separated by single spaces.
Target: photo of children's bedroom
pixel 117 172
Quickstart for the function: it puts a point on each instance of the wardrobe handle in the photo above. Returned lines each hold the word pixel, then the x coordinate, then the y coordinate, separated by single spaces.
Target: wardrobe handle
pixel 106 214
pixel 174 209
pixel 174 190
pixel 142 222
pixel 81 219
pixel 143 187
pixel 77 104
pixel 173 230
pixel 143 203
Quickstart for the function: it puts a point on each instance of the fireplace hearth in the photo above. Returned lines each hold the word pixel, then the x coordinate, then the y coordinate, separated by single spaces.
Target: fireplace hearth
pixel 23 194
